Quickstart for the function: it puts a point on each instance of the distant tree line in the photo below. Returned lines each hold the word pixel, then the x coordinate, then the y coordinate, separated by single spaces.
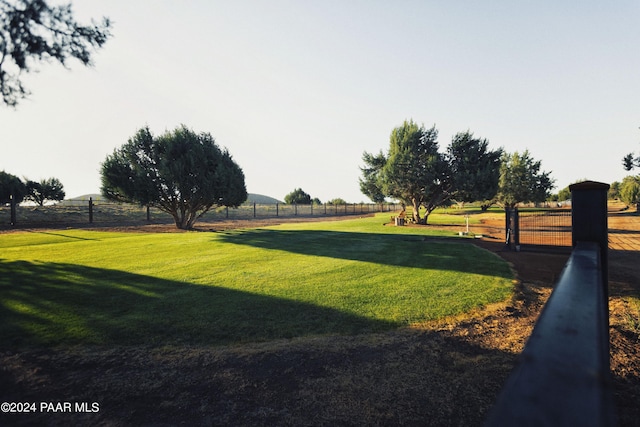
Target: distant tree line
pixel 415 172
pixel 50 189
pixel 300 197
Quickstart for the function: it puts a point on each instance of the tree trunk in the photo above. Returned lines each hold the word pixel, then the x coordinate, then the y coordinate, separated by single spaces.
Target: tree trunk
pixel 416 211
pixel 180 220
pixel 185 218
pixel 191 219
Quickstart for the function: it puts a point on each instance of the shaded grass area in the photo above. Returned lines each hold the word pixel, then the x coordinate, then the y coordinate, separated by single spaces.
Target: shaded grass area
pixel 351 277
pixel 52 304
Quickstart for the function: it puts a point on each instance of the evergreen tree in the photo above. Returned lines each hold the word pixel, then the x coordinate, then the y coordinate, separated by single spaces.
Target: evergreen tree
pixel 47 189
pixel 180 172
pixel 11 186
pixel 475 170
pixel 413 171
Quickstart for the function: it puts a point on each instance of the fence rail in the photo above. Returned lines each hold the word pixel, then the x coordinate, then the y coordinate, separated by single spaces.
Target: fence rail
pixel 562 378
pixel 101 212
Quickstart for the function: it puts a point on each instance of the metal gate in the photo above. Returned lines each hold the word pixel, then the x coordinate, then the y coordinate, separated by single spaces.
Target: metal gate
pixel 550 228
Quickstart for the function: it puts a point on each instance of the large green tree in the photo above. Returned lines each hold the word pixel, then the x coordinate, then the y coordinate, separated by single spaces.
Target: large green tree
pixel 47 189
pixel 475 170
pixel 413 171
pixel 181 172
pixel 11 186
pixel 522 180
pixel 33 31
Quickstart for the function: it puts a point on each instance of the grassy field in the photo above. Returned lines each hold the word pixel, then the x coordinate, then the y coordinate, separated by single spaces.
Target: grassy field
pixel 69 287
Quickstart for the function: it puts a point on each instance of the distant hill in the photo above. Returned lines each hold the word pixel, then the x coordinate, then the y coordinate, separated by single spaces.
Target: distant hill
pixel 253 198
pixel 261 199
pixel 85 197
pixel 75 201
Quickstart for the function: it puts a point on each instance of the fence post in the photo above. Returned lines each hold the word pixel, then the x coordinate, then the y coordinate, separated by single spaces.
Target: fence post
pixel 148 214
pixel 507 227
pixel 277 209
pixel 90 210
pixel 254 209
pixel 512 228
pixel 12 203
pixel 516 229
pixel 589 220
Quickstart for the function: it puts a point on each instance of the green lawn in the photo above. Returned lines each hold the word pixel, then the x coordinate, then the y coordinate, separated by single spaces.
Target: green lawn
pixel 68 287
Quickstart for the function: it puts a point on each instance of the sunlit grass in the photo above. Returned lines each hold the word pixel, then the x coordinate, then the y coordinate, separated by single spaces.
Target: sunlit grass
pixel 352 276
pixel 632 315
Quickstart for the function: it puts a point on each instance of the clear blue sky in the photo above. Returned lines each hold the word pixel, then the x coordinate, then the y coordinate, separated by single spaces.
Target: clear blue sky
pixel 297 90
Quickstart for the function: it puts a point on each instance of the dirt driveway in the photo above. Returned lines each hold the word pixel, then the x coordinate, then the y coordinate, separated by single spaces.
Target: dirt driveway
pixel 443 373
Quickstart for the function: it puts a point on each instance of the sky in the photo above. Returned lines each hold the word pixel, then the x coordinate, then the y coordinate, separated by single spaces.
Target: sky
pixel 297 90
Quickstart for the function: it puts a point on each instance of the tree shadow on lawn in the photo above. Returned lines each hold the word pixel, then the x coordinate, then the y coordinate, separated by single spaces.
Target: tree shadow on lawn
pixel 403 250
pixel 64 304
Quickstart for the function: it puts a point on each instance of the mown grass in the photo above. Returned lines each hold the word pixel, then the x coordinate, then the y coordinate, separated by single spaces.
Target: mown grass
pixel 346 277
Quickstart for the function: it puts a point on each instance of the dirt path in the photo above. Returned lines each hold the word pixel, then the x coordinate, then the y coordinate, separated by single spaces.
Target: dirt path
pixel 443 373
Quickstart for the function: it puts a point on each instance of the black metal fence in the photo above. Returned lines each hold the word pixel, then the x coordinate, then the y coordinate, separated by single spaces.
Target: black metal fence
pixel 563 374
pixel 105 212
pixel 548 228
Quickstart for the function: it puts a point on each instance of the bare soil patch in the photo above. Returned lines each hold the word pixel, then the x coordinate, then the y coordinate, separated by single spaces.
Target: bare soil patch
pixel 442 373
